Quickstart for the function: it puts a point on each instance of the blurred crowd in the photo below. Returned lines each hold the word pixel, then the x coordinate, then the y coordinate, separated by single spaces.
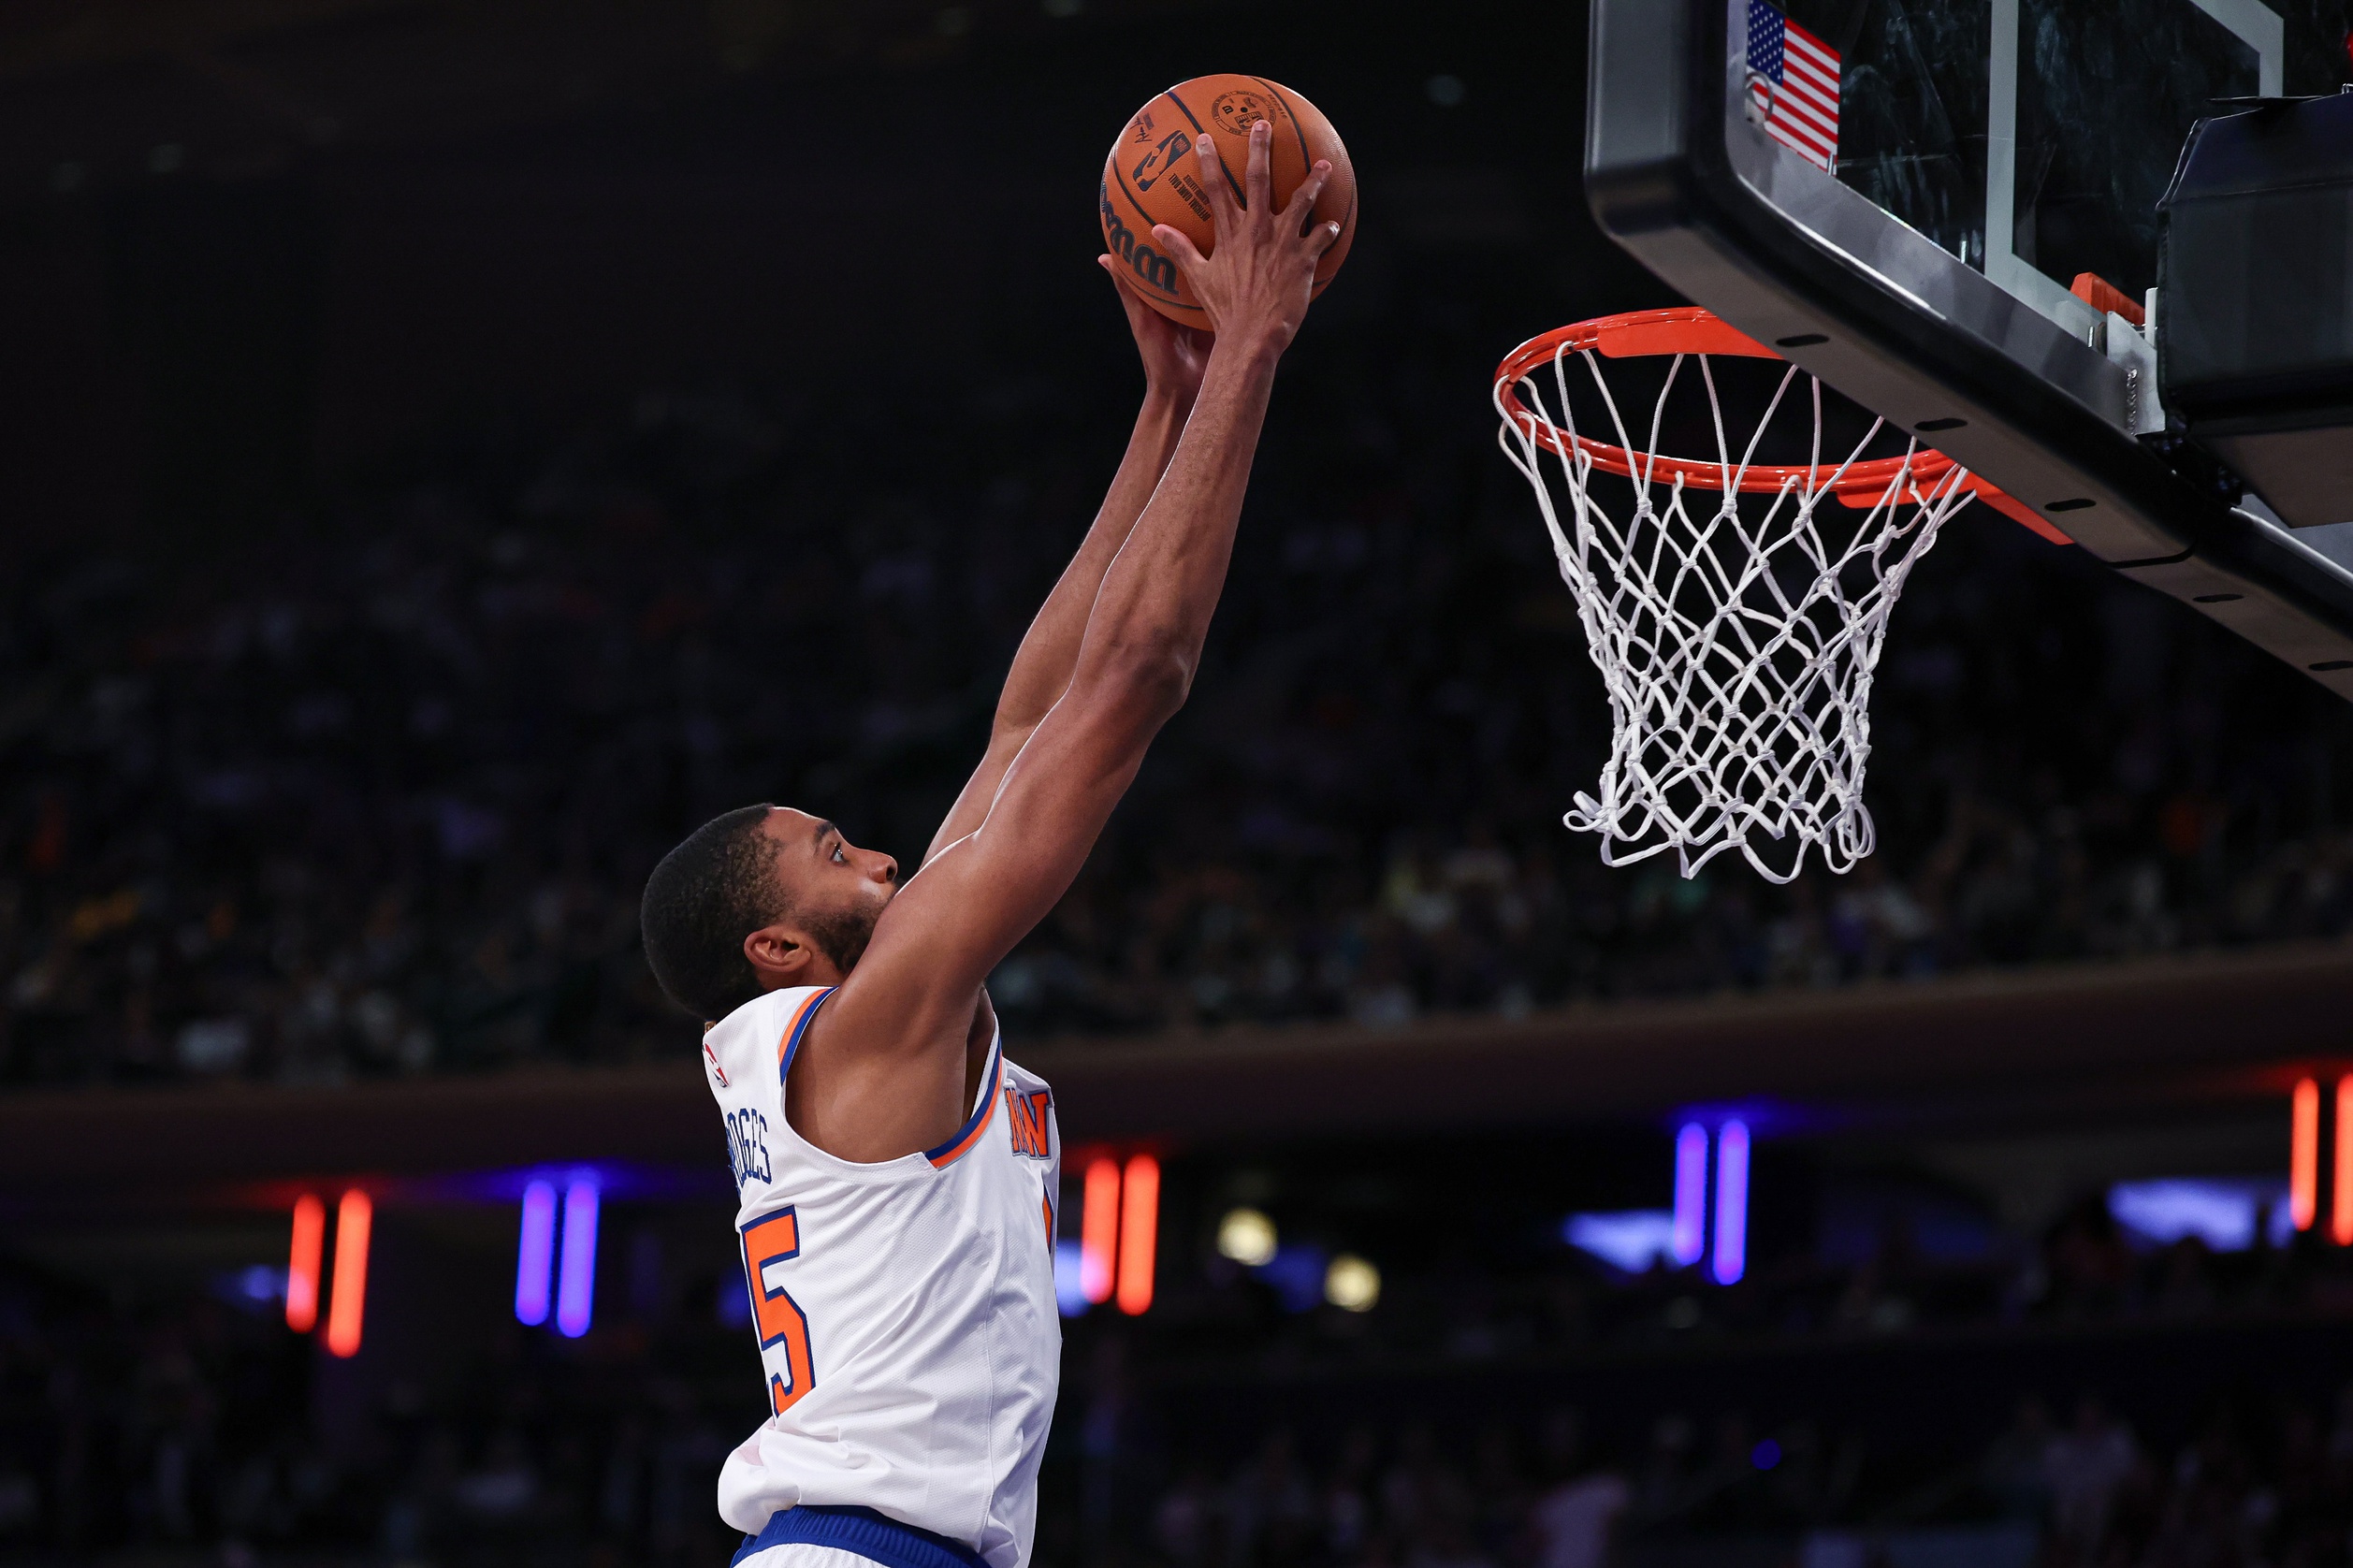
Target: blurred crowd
pixel 1872 1457
pixel 2084 1274
pixel 196 1429
pixel 374 792
pixel 170 1425
pixel 2267 1484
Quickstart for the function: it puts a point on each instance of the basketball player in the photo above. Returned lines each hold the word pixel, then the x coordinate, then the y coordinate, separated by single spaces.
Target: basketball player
pixel 897 1176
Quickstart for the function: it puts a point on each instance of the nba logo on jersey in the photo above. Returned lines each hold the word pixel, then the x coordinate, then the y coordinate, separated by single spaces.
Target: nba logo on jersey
pixel 1027 1117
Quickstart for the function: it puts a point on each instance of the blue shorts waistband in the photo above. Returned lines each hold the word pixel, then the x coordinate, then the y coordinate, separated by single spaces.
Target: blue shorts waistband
pixel 871 1536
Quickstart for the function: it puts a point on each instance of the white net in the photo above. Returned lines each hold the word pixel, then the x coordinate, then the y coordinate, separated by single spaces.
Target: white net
pixel 1736 620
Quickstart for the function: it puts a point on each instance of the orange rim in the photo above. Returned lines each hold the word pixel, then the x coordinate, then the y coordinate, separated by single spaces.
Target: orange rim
pixel 1683 329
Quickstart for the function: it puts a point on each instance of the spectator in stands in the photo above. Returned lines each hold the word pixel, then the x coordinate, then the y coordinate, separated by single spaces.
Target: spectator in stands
pixel 1576 1518
pixel 2084 1468
pixel 2017 1467
pixel 1186 1521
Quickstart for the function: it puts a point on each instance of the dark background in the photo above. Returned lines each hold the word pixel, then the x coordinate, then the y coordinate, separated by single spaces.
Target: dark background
pixel 454 451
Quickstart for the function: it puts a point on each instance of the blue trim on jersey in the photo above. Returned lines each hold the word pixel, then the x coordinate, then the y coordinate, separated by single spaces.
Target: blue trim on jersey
pixel 784 1063
pixel 870 1535
pixel 991 1076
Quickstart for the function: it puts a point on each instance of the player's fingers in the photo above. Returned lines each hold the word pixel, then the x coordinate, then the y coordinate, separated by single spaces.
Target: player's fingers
pixel 1311 190
pixel 1215 185
pixel 1257 178
pixel 1323 240
pixel 1177 245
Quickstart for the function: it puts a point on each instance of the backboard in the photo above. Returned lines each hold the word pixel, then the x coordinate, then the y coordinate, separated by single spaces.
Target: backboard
pixel 1948 210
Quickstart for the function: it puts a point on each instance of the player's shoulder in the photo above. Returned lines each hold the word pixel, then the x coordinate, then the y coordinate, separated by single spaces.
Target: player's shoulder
pixel 757 1035
pixel 1021 1078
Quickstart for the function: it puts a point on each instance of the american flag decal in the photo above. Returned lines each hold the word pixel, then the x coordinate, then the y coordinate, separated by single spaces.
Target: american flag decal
pixel 1792 86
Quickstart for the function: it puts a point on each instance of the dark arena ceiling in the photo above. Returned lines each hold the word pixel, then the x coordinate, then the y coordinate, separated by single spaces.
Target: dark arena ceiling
pixel 116 90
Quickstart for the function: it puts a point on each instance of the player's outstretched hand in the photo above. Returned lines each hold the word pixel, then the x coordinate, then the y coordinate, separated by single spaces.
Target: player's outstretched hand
pixel 1174 355
pixel 1256 282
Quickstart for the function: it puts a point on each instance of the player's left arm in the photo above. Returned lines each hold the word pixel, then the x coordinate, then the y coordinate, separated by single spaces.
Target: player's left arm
pixel 1173 357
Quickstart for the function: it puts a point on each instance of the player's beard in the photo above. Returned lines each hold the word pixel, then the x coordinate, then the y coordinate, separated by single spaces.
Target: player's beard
pixel 842 935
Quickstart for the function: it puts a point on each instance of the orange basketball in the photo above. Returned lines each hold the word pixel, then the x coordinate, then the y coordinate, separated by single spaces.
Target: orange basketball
pixel 1153 177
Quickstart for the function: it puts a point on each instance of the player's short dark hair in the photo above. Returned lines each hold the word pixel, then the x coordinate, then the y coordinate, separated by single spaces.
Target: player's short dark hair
pixel 708 895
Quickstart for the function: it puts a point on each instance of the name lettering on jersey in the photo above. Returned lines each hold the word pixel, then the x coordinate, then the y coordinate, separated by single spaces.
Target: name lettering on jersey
pixel 1026 1115
pixel 748 1146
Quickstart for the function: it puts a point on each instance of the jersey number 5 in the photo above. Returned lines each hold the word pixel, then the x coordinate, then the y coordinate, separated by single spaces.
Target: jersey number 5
pixel 770 1240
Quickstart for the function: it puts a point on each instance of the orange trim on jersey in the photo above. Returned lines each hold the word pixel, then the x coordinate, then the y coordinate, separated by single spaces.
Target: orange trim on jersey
pixel 953 1150
pixel 793 1030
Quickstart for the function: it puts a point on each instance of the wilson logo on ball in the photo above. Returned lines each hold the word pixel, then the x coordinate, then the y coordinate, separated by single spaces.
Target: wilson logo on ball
pixel 1151 267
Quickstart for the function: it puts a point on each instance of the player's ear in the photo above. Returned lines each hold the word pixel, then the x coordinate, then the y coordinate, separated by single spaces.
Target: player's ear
pixel 777 955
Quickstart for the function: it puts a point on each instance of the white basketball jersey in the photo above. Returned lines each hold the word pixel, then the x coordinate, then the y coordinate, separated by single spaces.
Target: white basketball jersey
pixel 905 1310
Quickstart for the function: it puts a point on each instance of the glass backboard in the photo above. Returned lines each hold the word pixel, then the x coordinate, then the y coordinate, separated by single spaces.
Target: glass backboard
pixel 2032 138
pixel 1948 210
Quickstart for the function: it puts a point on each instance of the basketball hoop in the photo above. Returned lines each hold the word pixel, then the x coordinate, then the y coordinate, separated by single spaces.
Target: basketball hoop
pixel 1736 639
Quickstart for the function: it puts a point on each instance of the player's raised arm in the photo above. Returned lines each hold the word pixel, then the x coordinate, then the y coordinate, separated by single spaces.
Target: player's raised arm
pixel 883 1070
pixel 1174 358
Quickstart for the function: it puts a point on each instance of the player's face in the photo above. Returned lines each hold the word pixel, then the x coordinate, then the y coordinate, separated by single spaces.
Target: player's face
pixel 836 890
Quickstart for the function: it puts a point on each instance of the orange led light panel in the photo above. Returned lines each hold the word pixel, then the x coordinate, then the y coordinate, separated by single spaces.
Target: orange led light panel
pixel 353 1218
pixel 2340 1198
pixel 2304 1155
pixel 1098 1230
pixel 1139 1233
pixel 302 1263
